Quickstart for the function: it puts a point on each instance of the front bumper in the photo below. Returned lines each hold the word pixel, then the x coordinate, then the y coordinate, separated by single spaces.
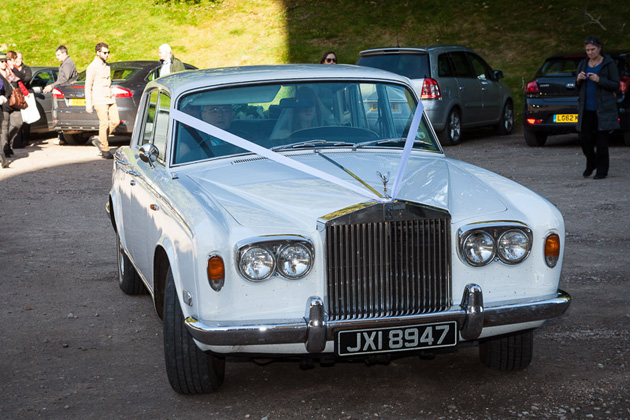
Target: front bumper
pixel 314 330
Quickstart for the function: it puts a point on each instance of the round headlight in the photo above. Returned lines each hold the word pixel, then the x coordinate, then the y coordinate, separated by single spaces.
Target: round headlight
pixel 478 248
pixel 513 246
pixel 257 263
pixel 294 261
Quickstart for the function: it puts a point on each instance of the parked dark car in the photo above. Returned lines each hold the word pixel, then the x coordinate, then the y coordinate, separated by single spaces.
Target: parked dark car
pixel 458 88
pixel 551 98
pixel 43 76
pixel 128 81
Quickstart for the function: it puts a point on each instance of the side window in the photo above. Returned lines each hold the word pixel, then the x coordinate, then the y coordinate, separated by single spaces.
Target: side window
pixel 461 66
pixel 444 66
pixel 482 70
pixel 42 78
pixel 153 75
pixel 161 124
pixel 149 118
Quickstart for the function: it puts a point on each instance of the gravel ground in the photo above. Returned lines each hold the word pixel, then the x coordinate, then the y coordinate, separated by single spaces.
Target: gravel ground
pixel 75 347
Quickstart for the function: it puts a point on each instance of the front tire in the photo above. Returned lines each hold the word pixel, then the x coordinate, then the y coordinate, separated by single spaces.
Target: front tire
pixel 506 124
pixel 189 370
pixel 535 138
pixel 508 352
pixel 452 133
pixel 128 278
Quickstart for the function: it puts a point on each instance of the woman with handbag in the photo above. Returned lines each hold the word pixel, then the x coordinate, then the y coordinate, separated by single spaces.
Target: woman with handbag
pixel 24 75
pixel 11 116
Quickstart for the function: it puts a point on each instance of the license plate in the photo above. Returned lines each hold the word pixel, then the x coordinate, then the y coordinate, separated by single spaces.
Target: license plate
pixel 77 102
pixel 395 339
pixel 565 118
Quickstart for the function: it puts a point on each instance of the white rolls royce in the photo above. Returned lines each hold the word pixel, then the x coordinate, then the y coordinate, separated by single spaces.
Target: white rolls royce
pixel 309 211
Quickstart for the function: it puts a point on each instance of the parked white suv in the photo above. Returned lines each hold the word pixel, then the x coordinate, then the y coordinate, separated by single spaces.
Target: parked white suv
pixel 458 88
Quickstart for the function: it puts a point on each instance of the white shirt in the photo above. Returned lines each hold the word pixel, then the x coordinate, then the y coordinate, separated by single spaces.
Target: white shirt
pixel 166 68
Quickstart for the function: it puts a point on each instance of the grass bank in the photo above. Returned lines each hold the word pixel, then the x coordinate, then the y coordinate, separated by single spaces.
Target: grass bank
pixel 513 36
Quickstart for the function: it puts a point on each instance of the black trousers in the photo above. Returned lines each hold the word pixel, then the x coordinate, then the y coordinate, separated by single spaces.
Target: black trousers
pixel 594 144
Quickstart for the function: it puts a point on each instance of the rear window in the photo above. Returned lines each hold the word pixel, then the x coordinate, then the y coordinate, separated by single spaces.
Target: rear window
pixel 560 66
pixel 118 73
pixel 413 66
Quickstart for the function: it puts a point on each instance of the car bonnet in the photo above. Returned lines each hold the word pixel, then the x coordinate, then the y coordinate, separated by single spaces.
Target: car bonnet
pixel 258 192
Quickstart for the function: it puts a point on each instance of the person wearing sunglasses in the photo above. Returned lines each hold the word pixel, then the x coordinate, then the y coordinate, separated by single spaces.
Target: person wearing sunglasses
pixel 98 95
pixel 597 81
pixel 329 57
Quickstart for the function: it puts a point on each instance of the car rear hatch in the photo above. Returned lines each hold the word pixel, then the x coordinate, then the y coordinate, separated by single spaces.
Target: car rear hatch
pixel 412 63
pixel 556 78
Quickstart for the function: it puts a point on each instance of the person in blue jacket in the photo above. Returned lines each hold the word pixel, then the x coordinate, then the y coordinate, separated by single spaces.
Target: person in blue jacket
pixel 598 82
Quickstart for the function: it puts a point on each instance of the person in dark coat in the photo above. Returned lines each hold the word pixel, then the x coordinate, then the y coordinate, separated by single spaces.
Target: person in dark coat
pixel 4 98
pixel 598 82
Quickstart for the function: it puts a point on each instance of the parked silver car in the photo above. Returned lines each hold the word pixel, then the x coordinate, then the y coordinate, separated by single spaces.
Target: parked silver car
pixel 458 88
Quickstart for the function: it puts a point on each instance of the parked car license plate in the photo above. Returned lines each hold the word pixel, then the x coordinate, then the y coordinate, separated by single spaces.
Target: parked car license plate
pixel 77 102
pixel 565 118
pixel 394 339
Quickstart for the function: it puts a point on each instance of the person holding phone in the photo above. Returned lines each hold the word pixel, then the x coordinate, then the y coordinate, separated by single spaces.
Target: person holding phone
pixel 597 81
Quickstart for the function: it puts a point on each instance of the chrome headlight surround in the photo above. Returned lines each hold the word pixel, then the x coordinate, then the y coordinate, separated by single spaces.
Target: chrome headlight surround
pixel 483 243
pixel 262 258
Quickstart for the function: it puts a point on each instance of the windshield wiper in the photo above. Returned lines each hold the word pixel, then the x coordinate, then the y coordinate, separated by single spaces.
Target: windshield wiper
pixel 310 143
pixel 388 141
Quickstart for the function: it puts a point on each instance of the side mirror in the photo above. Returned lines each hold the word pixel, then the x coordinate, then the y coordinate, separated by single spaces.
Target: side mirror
pixel 498 74
pixel 148 153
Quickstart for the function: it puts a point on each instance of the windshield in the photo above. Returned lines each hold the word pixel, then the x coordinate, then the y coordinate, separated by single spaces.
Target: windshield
pixel 290 116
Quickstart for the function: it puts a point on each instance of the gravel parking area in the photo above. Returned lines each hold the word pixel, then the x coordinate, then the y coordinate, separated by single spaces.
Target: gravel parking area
pixel 75 347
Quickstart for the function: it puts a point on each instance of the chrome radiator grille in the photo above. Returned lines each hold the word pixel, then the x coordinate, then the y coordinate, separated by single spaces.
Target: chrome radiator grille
pixel 388 261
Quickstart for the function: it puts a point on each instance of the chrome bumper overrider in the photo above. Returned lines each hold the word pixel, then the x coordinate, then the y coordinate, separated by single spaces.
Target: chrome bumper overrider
pixel 314 330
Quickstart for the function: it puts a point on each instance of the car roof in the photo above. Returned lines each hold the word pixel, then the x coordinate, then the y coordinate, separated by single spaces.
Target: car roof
pixel 413 50
pixel 37 68
pixel 582 54
pixel 135 63
pixel 184 81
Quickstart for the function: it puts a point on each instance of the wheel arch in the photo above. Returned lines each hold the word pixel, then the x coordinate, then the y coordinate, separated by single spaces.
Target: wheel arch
pixel 454 105
pixel 161 264
pixel 110 211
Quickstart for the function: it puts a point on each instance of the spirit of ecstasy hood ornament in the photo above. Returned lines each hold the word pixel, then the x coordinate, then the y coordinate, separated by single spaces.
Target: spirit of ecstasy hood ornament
pixel 385 179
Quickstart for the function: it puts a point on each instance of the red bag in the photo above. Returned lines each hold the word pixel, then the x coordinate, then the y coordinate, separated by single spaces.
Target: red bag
pixel 23 88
